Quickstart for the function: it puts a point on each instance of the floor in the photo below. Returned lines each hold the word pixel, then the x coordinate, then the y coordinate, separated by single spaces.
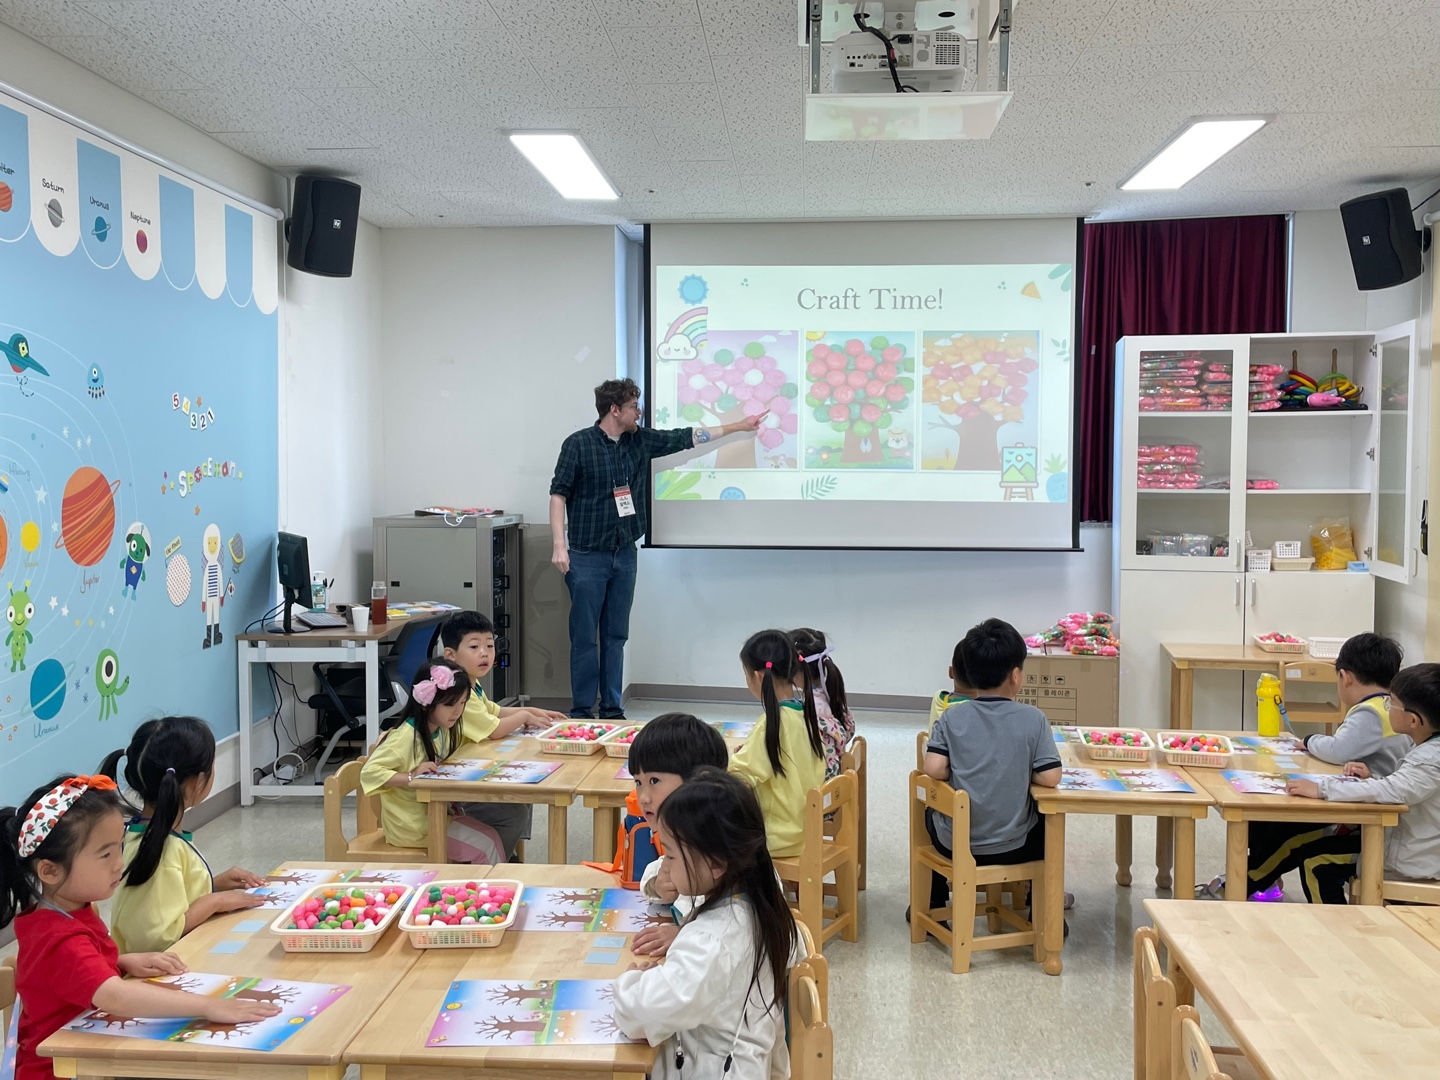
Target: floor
pixel 895 1007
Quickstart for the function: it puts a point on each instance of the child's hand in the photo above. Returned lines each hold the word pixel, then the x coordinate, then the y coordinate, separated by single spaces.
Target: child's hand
pixel 231 1011
pixel 149 965
pixel 424 768
pixel 546 717
pixel 235 900
pixel 654 940
pixel 638 966
pixel 1305 789
pixel 1357 769
pixel 235 878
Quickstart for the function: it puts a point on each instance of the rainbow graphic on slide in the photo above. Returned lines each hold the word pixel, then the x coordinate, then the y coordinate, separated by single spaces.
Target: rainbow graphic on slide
pixel 686 337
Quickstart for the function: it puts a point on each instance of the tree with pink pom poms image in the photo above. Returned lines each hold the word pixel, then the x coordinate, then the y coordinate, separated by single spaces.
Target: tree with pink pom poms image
pixel 749 373
pixel 859 391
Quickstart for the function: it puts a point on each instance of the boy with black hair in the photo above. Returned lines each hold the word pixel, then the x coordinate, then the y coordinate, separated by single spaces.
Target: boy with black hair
pixel 962 690
pixel 994 748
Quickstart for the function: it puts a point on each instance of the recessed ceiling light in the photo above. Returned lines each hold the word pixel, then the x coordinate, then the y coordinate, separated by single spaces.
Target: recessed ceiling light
pixel 1198 146
pixel 563 160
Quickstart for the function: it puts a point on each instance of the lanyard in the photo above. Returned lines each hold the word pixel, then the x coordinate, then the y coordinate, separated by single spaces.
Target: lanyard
pixel 610 459
pixel 139 825
pixel 56 907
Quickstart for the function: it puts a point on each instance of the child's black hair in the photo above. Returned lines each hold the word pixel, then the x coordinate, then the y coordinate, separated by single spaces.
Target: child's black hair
pixel 163 754
pixel 823 671
pixel 717 817
pixel 20 887
pixel 957 667
pixel 992 650
pixel 677 743
pixel 773 655
pixel 1417 688
pixel 1372 659
pixel 419 715
pixel 454 629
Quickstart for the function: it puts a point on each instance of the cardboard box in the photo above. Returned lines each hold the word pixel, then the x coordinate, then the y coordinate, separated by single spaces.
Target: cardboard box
pixel 1069 689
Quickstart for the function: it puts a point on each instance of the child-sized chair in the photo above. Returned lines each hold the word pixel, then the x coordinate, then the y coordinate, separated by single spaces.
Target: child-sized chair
pixel 965 878
pixel 812 1043
pixel 853 760
pixel 1408 891
pixel 1156 1039
pixel 813 963
pixel 368 844
pixel 1194 1057
pixel 830 848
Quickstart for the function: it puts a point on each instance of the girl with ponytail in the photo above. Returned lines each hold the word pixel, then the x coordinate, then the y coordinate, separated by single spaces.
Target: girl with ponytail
pixel 168 889
pixel 784 757
pixel 837 723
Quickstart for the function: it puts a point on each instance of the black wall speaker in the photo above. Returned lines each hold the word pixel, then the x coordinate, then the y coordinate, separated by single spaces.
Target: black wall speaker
pixel 321 229
pixel 1384 246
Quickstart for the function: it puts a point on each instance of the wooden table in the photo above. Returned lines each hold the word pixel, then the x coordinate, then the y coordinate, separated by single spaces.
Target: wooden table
pixel 1186 659
pixel 1181 808
pixel 1425 921
pixel 312 1054
pixel 556 791
pixel 1309 990
pixel 391 1046
pixel 1239 810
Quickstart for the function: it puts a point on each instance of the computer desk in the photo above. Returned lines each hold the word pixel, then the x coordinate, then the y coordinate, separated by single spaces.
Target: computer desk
pixel 328 646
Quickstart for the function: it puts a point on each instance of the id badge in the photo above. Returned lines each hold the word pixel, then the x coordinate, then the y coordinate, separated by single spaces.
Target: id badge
pixel 624 502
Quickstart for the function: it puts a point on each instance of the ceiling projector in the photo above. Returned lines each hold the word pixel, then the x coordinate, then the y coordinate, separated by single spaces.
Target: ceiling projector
pixel 929 63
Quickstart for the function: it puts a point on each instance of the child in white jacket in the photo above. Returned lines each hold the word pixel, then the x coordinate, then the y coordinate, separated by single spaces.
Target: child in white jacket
pixel 716 1007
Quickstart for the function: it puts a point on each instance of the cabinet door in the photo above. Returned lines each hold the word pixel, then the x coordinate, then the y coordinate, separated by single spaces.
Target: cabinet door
pixel 1176 607
pixel 1399 455
pixel 1330 604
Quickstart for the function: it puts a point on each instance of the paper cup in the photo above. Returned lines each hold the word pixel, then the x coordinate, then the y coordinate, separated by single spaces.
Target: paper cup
pixel 360 616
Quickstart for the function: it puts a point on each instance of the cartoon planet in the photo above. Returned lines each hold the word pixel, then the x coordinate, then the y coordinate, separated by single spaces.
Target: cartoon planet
pixel 237 551
pixel 56 212
pixel 87 516
pixel 142 242
pixel 101 229
pixel 4 483
pixel 177 579
pixel 7 198
pixel 17 351
pixel 4 542
pixel 95 382
pixel 731 494
pixel 30 536
pixel 47 689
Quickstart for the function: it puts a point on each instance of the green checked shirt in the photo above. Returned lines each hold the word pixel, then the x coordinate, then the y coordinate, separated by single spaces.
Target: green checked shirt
pixel 592 465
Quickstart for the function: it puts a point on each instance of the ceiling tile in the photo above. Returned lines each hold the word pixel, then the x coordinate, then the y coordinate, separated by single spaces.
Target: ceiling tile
pixel 52 19
pixel 675 54
pixel 118 58
pixel 648 13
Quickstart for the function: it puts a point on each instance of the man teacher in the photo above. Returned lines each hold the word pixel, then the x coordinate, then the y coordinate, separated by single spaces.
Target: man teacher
pixel 601 479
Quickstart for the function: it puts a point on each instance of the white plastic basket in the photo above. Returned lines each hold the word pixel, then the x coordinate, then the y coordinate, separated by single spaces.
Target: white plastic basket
pixel 1194 759
pixel 293 940
pixel 1326 648
pixel 1257 560
pixel 1287 549
pixel 457 937
pixel 1301 564
pixel 1108 752
pixel 1292 647
pixel 575 747
pixel 612 744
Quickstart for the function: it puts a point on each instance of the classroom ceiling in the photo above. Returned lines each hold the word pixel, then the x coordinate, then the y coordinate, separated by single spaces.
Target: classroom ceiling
pixel 693 107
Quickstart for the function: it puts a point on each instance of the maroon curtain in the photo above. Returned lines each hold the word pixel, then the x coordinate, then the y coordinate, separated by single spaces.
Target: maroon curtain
pixel 1195 276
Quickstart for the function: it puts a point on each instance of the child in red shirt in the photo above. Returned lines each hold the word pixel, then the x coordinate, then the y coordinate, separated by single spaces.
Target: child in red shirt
pixel 59 855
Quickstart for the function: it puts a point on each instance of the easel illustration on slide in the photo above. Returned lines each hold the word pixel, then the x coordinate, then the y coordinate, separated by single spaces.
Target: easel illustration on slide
pixel 1018 476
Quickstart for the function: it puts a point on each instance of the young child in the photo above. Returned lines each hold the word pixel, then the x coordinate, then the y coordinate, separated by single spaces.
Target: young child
pixel 415 748
pixel 994 748
pixel 1366 665
pixel 666 752
pixel 837 723
pixel 169 890
pixel 784 757
pixel 1412 848
pixel 962 690
pixel 717 1003
pixel 469 640
pixel 60 854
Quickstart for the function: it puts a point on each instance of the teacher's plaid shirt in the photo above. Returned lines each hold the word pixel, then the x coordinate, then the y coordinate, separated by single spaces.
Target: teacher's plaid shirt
pixel 592 465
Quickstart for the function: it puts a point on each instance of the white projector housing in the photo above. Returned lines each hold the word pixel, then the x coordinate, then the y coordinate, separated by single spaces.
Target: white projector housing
pixel 931 63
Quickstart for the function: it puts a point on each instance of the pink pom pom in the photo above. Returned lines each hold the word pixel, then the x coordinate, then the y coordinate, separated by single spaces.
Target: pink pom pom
pixel 854 346
pixel 770 438
pixel 789 423
pixel 688 396
pixel 820 350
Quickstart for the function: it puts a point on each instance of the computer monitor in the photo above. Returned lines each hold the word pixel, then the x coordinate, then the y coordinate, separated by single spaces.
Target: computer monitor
pixel 292 553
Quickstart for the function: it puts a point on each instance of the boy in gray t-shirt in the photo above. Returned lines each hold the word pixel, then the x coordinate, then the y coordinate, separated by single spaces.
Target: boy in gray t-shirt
pixel 993 748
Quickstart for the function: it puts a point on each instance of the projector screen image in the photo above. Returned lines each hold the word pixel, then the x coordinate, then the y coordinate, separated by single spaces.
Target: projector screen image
pixel 904 406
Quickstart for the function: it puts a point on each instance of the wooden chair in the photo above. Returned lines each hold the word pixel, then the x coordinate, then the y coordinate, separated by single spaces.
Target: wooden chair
pixel 922 739
pixel 1194 1057
pixel 831 848
pixel 965 879
pixel 7 995
pixel 1327 713
pixel 1408 891
pixel 812 1043
pixel 368 844
pixel 815 965
pixel 1156 1038
pixel 853 760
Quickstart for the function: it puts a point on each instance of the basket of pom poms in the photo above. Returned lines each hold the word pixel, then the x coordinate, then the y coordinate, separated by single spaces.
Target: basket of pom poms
pixel 338 918
pixel 1196 748
pixel 617 743
pixel 461 914
pixel 577 737
pixel 1116 744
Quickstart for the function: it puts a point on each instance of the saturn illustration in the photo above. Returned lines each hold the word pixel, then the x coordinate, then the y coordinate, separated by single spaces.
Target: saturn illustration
pixel 56 212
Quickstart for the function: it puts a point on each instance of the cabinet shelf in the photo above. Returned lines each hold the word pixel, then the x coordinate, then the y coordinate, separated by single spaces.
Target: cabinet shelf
pixel 1308 491
pixel 1331 414
pixel 1183 491
pixel 1217 413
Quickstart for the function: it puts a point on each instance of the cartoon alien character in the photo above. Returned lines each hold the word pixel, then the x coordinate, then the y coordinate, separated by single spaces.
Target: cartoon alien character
pixel 212 589
pixel 107 676
pixel 95 382
pixel 18 615
pixel 138 547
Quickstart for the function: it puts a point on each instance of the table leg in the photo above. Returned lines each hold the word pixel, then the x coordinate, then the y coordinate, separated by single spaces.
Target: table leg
pixel 606 826
pixel 439 826
pixel 1372 864
pixel 1124 848
pixel 1186 720
pixel 1165 854
pixel 1184 858
pixel 65 1066
pixel 1054 892
pixel 372 1072
pixel 325 1072
pixel 1184 988
pixel 1237 859
pixel 1174 695
pixel 559 834
pixel 246 706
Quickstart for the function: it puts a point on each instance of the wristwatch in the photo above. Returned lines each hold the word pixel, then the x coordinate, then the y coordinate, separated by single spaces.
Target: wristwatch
pixel 702 435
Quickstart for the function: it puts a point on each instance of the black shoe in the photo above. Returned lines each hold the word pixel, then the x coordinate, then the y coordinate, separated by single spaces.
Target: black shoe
pixel 218 636
pixel 209 632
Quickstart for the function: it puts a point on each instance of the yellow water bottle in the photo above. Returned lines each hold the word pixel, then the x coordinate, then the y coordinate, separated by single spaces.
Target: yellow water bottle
pixel 1267 703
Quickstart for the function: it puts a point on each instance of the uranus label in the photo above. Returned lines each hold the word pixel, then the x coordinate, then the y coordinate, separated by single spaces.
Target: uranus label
pixel 101 216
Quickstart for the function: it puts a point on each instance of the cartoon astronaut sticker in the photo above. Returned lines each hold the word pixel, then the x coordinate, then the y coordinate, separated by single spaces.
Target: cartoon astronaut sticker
pixel 212 585
pixel 138 547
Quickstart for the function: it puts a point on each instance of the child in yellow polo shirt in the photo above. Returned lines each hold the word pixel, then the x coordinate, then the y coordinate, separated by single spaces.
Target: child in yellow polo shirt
pixel 962 691
pixel 469 641
pixel 784 757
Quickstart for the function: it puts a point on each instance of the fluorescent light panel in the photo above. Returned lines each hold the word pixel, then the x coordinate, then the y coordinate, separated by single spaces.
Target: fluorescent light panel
pixel 1190 153
pixel 563 160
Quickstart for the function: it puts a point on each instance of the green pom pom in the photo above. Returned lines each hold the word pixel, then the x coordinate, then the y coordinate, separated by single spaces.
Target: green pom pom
pixel 822 413
pixel 726 402
pixel 885 421
pixel 854 410
pixel 755 350
pixel 814 402
pixel 906 384
pixel 903 403
pixel 789 390
pixel 724 357
pixel 862 428
pixel 908 365
pixel 692 412
pixel 860 395
pixel 840 425
pixel 879 343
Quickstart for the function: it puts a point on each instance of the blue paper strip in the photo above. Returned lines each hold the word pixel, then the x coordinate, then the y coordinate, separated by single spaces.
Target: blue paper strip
pixel 601 957
pixel 610 941
pixel 228 946
pixel 249 926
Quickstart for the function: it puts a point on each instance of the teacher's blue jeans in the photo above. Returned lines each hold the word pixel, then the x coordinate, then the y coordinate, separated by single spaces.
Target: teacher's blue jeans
pixel 602 588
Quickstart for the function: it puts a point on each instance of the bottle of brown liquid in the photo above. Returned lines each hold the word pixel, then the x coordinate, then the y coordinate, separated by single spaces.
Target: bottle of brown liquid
pixel 377 603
